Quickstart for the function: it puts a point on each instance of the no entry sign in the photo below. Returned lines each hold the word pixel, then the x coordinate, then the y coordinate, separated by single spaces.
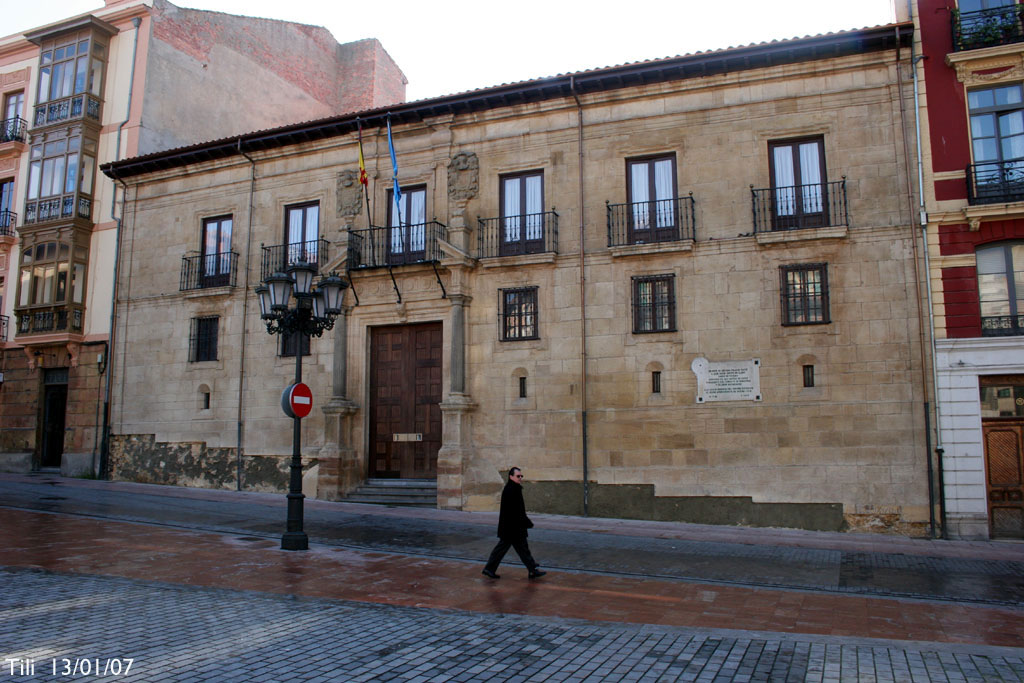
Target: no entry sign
pixel 297 400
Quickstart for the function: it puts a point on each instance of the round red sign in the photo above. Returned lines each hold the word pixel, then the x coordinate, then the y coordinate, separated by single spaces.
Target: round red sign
pixel 297 400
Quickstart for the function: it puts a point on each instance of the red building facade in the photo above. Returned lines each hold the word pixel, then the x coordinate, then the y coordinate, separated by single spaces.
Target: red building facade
pixel 970 92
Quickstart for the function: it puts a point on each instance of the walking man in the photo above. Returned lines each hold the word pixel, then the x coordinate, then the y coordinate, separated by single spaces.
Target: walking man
pixel 512 526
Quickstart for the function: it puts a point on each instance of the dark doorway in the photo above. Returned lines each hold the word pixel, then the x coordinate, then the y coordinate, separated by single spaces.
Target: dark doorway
pixel 55 401
pixel 405 397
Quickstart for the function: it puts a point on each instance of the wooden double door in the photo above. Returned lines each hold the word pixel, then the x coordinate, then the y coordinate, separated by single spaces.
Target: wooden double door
pixel 1004 465
pixel 405 398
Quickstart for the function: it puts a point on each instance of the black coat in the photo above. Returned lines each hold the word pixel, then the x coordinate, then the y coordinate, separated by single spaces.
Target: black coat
pixel 512 519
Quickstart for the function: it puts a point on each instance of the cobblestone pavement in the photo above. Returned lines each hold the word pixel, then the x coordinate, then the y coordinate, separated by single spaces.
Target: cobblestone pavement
pixel 190 585
pixel 734 557
pixel 62 627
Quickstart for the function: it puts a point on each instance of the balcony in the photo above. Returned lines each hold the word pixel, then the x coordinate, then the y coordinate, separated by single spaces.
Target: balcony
pixel 68 206
pixel 1002 326
pixel 663 220
pixel 76 107
pixel 51 319
pixel 995 182
pixel 8 223
pixel 13 130
pixel 205 271
pixel 278 257
pixel 987 27
pixel 379 247
pixel 3 327
pixel 535 233
pixel 799 207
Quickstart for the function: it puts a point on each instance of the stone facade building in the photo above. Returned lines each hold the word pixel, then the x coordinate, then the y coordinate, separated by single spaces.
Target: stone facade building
pixel 971 97
pixel 131 78
pixel 681 289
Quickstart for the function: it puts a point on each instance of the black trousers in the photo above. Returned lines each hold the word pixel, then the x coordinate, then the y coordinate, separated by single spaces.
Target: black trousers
pixel 522 549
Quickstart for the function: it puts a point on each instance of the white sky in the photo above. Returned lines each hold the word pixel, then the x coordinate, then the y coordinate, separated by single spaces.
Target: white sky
pixel 449 46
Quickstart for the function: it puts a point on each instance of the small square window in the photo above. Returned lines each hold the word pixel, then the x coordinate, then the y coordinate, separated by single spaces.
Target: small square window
pixel 203 339
pixel 804 292
pixel 519 314
pixel 654 304
pixel 289 342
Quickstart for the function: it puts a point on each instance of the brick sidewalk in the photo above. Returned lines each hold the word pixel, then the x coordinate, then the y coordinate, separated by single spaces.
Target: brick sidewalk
pixel 66 626
pixel 101 547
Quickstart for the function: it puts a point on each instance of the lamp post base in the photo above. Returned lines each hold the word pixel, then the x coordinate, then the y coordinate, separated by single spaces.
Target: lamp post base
pixel 294 540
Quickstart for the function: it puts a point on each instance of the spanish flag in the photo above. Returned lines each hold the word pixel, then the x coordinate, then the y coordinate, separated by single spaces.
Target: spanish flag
pixel 363 180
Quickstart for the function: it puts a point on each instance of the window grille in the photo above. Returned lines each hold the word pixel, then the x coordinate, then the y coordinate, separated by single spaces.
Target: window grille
pixel 519 314
pixel 805 294
pixel 654 303
pixel 203 339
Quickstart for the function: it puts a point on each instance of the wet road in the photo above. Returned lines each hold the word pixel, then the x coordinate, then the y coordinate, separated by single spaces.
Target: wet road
pixel 931 570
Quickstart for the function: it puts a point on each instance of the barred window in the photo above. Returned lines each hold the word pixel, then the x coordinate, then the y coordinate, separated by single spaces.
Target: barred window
pixel 654 303
pixel 202 345
pixel 519 314
pixel 805 294
pixel 289 340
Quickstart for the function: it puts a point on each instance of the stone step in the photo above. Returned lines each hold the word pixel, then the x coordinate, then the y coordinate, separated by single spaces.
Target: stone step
pixel 405 492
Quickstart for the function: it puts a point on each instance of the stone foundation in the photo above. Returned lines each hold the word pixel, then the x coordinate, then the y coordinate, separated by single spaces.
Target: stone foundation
pixel 638 501
pixel 140 458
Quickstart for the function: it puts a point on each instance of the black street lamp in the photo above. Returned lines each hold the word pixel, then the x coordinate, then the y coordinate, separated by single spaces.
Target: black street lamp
pixel 314 311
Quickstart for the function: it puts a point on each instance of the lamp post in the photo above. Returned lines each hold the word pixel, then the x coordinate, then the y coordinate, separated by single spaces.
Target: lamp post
pixel 313 312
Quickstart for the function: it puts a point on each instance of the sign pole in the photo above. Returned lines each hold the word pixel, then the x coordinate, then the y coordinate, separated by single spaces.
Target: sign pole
pixel 294 537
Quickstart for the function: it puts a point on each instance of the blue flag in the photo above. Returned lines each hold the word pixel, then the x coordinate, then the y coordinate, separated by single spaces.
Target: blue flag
pixel 394 174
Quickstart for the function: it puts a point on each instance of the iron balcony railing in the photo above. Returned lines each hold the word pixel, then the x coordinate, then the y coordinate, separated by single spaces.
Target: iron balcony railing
pixel 209 270
pixel 662 220
pixel 995 182
pixel 987 27
pixel 8 222
pixel 38 211
pixel 53 319
pixel 818 205
pixel 378 247
pixel 13 130
pixel 535 233
pixel 75 107
pixel 3 327
pixel 277 258
pixel 1002 325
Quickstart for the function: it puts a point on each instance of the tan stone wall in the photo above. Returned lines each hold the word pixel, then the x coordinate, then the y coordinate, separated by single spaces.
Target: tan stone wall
pixel 855 440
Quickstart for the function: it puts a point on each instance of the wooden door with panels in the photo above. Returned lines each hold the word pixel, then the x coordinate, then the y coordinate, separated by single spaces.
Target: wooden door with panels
pixel 405 397
pixel 1002 424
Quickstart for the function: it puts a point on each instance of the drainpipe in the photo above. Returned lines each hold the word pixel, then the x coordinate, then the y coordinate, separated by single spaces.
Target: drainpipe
pixel 923 216
pixel 583 304
pixel 918 297
pixel 245 307
pixel 105 448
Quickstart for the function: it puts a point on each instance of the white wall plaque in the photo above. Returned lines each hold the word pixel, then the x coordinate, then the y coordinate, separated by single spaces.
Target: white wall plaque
pixel 734 380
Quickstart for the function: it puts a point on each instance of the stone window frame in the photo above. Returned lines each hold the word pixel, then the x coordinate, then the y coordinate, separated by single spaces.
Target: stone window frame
pixel 504 246
pixel 654 308
pixel 286 347
pixel 1011 324
pixel 203 338
pixel 801 305
pixel 520 319
pixel 799 218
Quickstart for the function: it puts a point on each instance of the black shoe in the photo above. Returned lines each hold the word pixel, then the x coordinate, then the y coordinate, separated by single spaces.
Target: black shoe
pixel 536 574
pixel 489 574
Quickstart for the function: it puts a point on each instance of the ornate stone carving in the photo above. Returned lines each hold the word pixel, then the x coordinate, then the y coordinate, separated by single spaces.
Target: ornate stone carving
pixel 350 195
pixel 463 176
pixel 1000 68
